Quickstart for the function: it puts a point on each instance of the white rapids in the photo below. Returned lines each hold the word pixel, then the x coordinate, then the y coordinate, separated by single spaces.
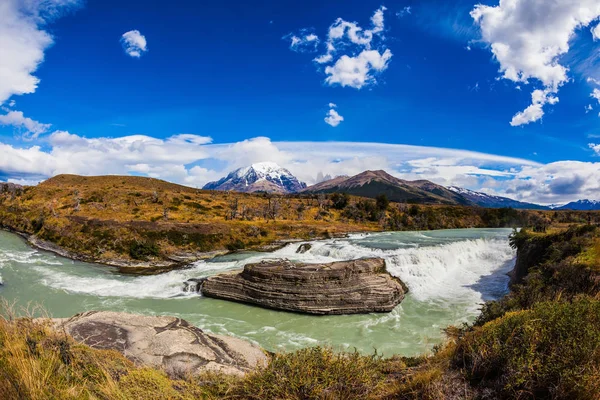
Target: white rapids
pixel 449 275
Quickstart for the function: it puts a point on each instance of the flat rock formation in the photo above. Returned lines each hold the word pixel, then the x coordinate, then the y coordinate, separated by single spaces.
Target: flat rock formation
pixel 169 343
pixel 346 287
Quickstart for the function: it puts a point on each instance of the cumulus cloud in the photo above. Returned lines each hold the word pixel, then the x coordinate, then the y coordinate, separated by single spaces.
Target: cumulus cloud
pixel 535 111
pixel 358 71
pixel 596 32
pixel 333 118
pixel 134 43
pixel 29 128
pixel 527 39
pixel 595 147
pixel 23 41
pixel 353 55
pixel 596 95
pixel 358 68
pixel 305 41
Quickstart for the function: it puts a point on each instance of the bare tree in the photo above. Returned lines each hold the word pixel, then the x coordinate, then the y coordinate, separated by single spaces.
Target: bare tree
pixel 233 208
pixel 300 211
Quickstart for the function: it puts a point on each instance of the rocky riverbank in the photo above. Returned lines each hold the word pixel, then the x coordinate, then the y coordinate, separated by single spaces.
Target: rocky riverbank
pixel 346 287
pixel 163 342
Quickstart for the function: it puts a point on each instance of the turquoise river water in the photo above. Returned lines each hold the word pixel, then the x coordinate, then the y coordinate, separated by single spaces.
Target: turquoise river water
pixel 449 273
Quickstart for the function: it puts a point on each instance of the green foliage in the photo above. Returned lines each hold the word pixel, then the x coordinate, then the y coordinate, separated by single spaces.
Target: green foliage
pixel 237 244
pixel 339 201
pixel 550 351
pixel 382 202
pixel 143 250
pixel 548 268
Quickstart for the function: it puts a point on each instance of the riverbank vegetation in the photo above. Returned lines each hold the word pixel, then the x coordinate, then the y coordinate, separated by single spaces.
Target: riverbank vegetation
pixel 135 218
pixel 541 341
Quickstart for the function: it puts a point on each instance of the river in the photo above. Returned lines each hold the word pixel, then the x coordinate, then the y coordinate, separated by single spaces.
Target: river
pixel 450 273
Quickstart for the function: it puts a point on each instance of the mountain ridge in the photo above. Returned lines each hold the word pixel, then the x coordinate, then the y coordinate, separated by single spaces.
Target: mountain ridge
pixel 581 205
pixel 259 177
pixel 374 183
pixel 490 201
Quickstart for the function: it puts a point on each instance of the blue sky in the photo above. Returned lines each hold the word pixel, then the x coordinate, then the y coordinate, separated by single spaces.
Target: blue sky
pixel 240 80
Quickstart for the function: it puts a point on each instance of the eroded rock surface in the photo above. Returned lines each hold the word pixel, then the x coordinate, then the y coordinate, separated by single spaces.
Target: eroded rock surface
pixel 163 342
pixel 346 287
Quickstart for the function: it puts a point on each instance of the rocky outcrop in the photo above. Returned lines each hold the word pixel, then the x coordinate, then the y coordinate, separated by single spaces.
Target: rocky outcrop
pixel 347 287
pixel 303 248
pixel 163 342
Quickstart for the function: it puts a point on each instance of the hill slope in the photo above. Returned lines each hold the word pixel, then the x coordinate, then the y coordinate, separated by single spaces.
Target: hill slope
pixel 373 183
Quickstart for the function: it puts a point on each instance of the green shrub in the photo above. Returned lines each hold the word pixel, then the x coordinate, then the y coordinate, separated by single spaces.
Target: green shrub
pixel 237 244
pixel 143 250
pixel 316 373
pixel 550 351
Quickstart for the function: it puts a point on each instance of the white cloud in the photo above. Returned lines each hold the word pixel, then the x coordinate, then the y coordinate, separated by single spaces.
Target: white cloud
pixel 588 108
pixel 134 43
pixel 596 95
pixel 535 111
pixel 343 33
pixel 596 32
pixel 29 128
pixel 12 103
pixel 23 42
pixel 527 38
pixel 304 41
pixel 198 161
pixel 358 71
pixel 353 55
pixel 594 81
pixel 595 147
pixel 333 118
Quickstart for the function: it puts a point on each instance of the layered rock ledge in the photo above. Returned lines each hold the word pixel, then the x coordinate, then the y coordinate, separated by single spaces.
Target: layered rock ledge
pixel 168 343
pixel 346 287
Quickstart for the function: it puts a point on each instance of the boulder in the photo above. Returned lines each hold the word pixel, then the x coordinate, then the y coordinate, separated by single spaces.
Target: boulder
pixel 303 248
pixel 346 287
pixel 193 285
pixel 168 343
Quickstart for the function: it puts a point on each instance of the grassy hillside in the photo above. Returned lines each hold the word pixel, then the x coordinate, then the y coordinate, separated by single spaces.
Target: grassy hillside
pixel 109 218
pixel 542 341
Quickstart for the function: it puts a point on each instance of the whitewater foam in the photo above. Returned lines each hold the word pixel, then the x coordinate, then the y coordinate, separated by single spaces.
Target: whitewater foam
pixel 445 272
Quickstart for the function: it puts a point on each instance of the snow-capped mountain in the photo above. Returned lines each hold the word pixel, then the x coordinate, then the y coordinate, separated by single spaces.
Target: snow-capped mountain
pixel 261 177
pixel 585 205
pixel 486 200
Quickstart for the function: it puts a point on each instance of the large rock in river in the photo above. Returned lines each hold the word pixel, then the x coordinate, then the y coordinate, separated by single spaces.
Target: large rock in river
pixel 163 342
pixel 346 287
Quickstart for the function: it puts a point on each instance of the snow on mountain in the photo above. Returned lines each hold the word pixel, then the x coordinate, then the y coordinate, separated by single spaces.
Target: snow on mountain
pixel 260 177
pixel 486 200
pixel 585 205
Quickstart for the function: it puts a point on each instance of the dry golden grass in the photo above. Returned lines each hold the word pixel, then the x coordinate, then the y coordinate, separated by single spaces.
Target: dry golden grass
pixel 125 217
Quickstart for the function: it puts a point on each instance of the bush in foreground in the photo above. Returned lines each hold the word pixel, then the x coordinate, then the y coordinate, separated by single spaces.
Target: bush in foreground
pixel 549 351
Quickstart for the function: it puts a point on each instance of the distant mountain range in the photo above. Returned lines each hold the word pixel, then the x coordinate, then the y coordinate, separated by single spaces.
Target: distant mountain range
pixel 374 183
pixel 489 201
pixel 586 205
pixel 271 178
pixel 262 177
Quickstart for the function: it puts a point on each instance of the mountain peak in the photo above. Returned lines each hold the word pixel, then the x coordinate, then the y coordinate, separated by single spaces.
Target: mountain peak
pixel 582 205
pixel 259 177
